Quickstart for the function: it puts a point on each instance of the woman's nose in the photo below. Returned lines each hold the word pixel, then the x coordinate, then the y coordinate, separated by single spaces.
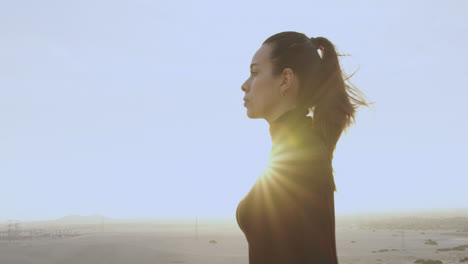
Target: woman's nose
pixel 243 87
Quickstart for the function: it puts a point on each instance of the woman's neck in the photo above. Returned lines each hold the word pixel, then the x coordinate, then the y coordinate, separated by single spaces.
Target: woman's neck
pixel 278 113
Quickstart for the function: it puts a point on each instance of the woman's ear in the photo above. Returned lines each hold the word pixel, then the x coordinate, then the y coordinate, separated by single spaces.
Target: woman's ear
pixel 287 81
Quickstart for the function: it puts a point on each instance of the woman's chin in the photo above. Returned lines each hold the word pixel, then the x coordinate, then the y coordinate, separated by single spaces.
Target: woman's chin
pixel 251 114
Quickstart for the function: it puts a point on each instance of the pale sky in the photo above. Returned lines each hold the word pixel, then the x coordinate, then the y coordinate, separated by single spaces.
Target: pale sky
pixel 133 109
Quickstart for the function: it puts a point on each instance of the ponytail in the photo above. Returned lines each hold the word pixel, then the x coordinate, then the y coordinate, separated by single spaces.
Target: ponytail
pixel 334 103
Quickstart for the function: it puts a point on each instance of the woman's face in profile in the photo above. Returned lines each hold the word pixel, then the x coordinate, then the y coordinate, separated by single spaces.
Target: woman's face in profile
pixel 261 88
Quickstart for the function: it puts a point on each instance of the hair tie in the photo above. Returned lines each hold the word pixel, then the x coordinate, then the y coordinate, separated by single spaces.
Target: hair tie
pixel 319 46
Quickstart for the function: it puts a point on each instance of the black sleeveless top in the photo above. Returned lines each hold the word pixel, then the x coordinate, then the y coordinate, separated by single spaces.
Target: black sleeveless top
pixel 288 215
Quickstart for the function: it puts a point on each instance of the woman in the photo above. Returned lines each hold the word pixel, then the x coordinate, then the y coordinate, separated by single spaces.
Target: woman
pixel 288 215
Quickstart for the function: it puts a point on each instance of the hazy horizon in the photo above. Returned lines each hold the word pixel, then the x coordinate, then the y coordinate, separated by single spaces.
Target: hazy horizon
pixel 436 212
pixel 133 109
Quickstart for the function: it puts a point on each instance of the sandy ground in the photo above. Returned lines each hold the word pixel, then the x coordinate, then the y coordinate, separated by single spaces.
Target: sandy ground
pixel 180 245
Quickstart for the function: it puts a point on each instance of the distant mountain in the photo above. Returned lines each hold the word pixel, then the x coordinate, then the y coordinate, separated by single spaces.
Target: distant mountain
pixel 79 219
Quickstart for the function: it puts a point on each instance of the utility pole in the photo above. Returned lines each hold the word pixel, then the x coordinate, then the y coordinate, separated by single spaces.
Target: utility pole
pixel 403 246
pixel 196 227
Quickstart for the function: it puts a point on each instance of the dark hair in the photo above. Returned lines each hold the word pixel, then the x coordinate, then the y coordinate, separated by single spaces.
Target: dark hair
pixel 323 88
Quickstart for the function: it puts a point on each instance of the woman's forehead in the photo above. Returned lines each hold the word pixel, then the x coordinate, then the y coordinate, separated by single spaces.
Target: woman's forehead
pixel 262 56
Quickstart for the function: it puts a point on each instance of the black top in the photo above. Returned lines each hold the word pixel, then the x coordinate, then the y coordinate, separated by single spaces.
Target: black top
pixel 288 215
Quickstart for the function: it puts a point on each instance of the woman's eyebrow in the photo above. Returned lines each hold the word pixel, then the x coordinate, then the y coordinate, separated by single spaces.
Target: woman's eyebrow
pixel 253 64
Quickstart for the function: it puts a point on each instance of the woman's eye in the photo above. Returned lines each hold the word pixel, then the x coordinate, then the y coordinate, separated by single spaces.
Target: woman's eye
pixel 252 73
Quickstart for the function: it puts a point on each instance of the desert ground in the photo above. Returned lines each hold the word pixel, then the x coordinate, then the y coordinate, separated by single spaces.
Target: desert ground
pixel 394 242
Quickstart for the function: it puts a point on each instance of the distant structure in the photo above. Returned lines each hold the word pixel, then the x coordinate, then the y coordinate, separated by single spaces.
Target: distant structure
pixel 12 230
